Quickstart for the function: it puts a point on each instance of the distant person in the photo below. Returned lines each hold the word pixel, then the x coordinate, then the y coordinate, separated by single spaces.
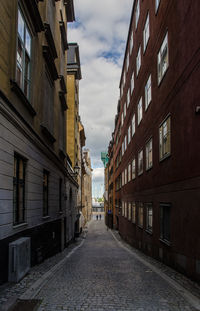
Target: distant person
pixel 100 216
pixel 97 217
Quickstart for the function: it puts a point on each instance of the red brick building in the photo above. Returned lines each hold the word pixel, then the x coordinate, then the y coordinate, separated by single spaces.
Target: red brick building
pixel 157 134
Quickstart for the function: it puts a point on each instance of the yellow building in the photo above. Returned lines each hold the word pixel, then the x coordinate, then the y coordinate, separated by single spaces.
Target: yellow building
pixel 36 180
pixel 73 77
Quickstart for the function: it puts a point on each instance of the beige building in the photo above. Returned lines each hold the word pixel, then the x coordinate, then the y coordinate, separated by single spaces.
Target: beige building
pixel 38 190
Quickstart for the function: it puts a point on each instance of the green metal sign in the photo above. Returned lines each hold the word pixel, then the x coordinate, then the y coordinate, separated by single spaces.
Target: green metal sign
pixel 104 158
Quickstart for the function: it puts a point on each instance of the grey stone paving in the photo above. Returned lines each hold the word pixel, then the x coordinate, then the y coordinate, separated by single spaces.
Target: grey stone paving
pixel 103 276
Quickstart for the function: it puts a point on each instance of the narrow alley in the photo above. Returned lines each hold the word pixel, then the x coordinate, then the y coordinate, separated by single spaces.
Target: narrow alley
pixel 105 274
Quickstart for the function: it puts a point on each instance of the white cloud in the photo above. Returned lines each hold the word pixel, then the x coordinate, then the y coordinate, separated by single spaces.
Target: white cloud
pixel 98 174
pixel 101 32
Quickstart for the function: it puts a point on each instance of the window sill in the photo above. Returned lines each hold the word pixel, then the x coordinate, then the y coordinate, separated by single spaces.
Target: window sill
pixel 45 217
pixel 162 78
pixel 139 226
pixel 149 168
pixel 24 224
pixel 165 242
pixel 149 232
pixel 18 91
pixel 165 157
pixel 47 133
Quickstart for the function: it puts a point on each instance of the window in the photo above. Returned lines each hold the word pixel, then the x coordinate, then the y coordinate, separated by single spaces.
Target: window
pixel 45 193
pixel 128 98
pixel 125 176
pixel 132 82
pixel 165 221
pixel 123 148
pixel 149 219
pixel 140 111
pixel 129 211
pixel 133 125
pixel 125 143
pixel 138 60
pixel 137 13
pixel 125 209
pixel 19 189
pixel 140 162
pixel 133 169
pixel 124 110
pixel 131 43
pixel 133 212
pixel 163 61
pixel 24 42
pixel 129 134
pixel 149 154
pixel 157 2
pixel 122 179
pixel 146 33
pixel 140 214
pixel 122 119
pixel 122 208
pixel 127 62
pixel 129 172
pixel 165 138
pixel 148 92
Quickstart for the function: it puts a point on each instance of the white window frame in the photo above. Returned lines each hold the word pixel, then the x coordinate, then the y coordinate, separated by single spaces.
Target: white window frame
pixel 164 136
pixel 140 162
pixel 132 82
pixel 140 112
pixel 129 172
pixel 148 93
pixel 129 134
pixel 137 13
pixel 133 125
pixel 163 58
pixel 146 33
pixel 149 154
pixel 131 43
pixel 157 3
pixel 138 61
pixel 133 169
pixel 128 97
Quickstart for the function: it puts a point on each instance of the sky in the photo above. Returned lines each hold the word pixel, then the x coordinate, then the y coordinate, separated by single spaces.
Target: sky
pixel 101 30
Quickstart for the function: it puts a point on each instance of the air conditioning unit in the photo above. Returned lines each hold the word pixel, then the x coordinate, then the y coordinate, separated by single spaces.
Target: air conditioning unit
pixel 19 259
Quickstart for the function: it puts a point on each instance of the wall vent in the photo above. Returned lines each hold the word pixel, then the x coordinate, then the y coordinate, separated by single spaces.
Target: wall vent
pixel 19 259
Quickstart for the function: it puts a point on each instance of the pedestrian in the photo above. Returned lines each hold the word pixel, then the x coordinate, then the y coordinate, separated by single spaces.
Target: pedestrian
pixel 100 216
pixel 97 217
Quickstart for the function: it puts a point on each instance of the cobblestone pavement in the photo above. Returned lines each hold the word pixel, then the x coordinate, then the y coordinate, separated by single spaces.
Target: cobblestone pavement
pixel 106 275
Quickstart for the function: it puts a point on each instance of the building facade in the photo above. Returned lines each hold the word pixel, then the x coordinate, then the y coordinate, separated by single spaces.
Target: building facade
pixel 87 186
pixel 156 139
pixel 37 186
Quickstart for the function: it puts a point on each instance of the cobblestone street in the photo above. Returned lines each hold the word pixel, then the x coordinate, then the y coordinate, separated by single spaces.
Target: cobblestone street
pixel 103 274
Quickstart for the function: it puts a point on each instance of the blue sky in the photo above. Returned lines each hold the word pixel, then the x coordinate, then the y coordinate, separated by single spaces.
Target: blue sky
pixel 101 30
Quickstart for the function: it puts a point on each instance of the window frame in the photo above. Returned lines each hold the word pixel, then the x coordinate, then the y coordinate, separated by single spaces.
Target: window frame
pixel 140 110
pixel 148 165
pixel 133 212
pixel 137 13
pixel 148 90
pixel 133 123
pixel 140 172
pixel 163 155
pixel 133 175
pixel 160 62
pixel 149 217
pixel 138 60
pixel 17 184
pixel 140 207
pixel 145 32
pixel 25 72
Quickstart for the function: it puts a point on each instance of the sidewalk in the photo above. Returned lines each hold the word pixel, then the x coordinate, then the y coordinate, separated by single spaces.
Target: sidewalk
pixel 33 281
pixel 182 280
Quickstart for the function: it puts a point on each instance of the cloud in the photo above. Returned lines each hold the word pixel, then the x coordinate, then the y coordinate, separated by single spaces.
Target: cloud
pixel 101 31
pixel 98 174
